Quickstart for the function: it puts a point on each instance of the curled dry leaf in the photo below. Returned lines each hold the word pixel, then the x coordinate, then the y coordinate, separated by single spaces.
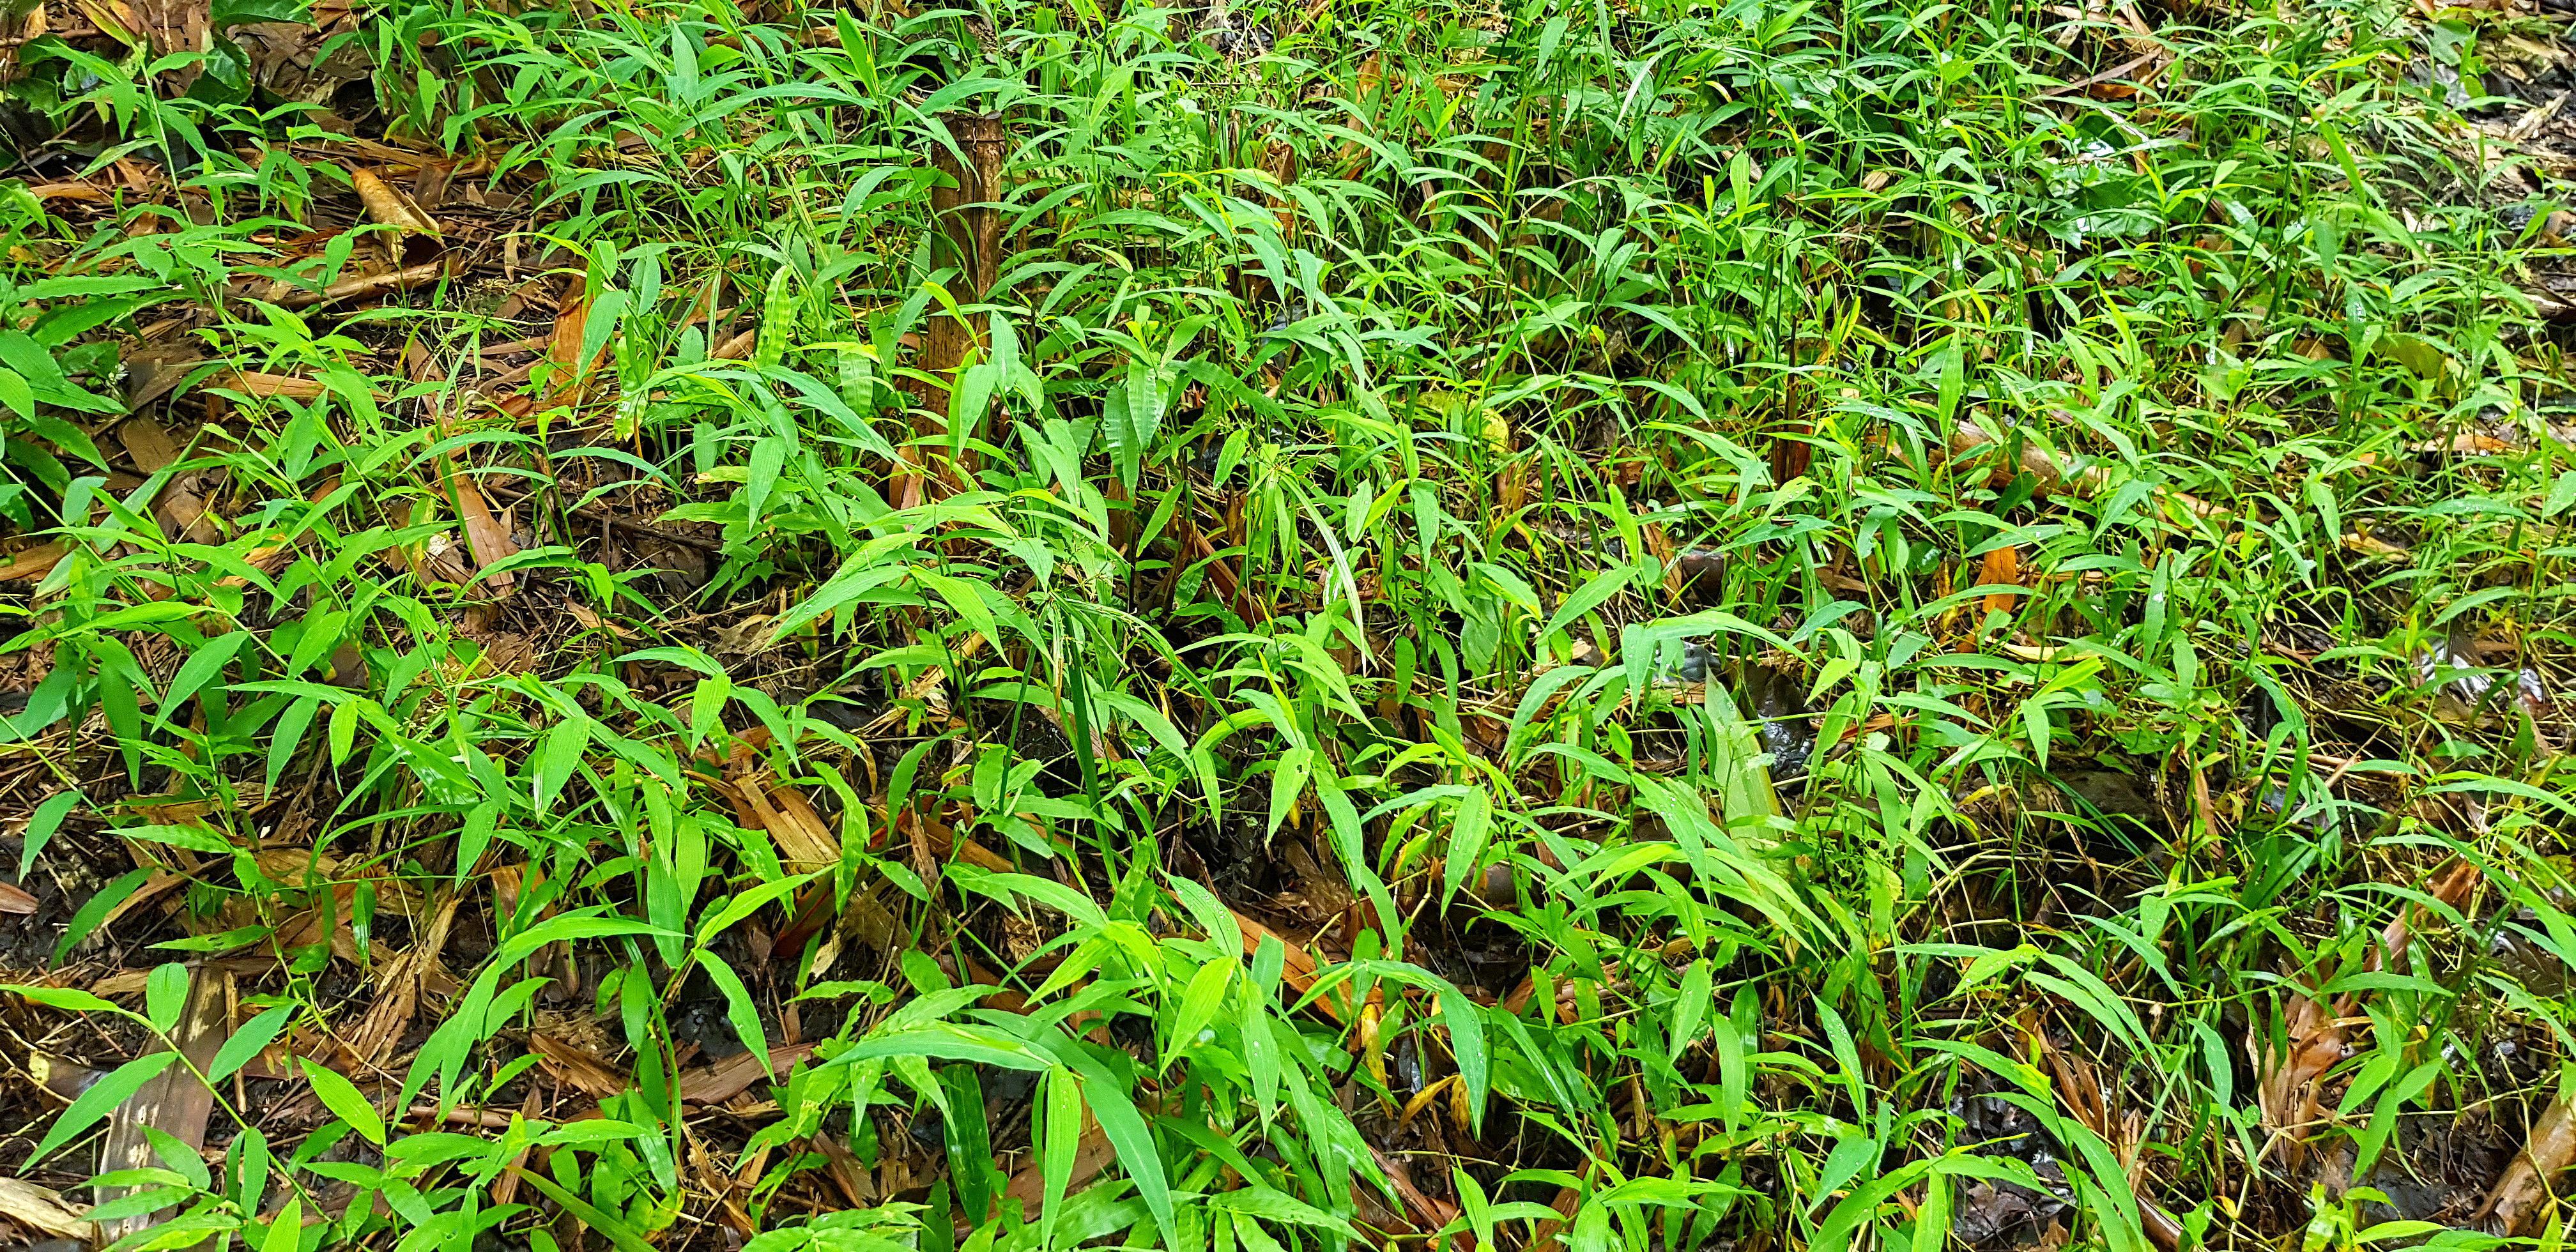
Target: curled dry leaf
pixel 154 372
pixel 70 191
pixel 842 1166
pixel 803 841
pixel 2287 1091
pixel 399 985
pixel 268 386
pixel 14 899
pixel 388 205
pixel 563 350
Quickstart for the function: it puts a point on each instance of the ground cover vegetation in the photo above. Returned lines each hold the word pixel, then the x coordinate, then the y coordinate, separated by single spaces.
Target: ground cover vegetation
pixel 715 624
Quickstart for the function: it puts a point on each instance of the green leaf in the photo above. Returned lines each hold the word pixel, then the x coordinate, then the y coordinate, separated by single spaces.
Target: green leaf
pixel 1125 1128
pixel 72 999
pixel 1468 834
pixel 1466 1023
pixel 95 910
pixel 15 393
pixel 748 903
pixel 1690 1005
pixel 777 319
pixel 1199 1005
pixel 1062 1140
pixel 47 819
pixel 255 1034
pixel 342 1097
pixel 2561 495
pixel 1600 587
pixel 1268 1204
pixel 618 1232
pixel 289 734
pixel 286 1230
pixel 165 996
pixel 202 667
pixel 103 1095
pixel 1131 416
pixel 192 838
pixel 740 1008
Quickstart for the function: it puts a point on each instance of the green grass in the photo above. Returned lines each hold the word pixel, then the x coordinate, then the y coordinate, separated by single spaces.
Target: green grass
pixel 1797 623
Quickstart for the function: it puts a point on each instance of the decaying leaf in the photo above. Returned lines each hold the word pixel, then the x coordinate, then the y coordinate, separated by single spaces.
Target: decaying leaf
pixel 43 1211
pixel 175 1102
pixel 485 535
pixel 2524 1192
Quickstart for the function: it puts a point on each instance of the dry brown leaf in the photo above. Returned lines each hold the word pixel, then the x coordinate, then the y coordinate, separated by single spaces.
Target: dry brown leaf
pixel 113 17
pixel 2287 1089
pixel 2523 1192
pixel 122 983
pixel 39 1209
pixel 35 562
pixel 184 508
pixel 589 620
pixel 1428 1212
pixel 845 1171
pixel 152 888
pixel 488 539
pixel 61 1078
pixel 2465 443
pixel 368 286
pixel 147 445
pixel 800 847
pixel 175 26
pixel 730 1077
pixel 791 805
pixel 571 373
pixel 156 371
pixel 574 1064
pixel 14 899
pixel 398 990
pixel 263 386
pixel 2286 1092
pixel 69 191
pixel 388 205
pixel 2003 566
